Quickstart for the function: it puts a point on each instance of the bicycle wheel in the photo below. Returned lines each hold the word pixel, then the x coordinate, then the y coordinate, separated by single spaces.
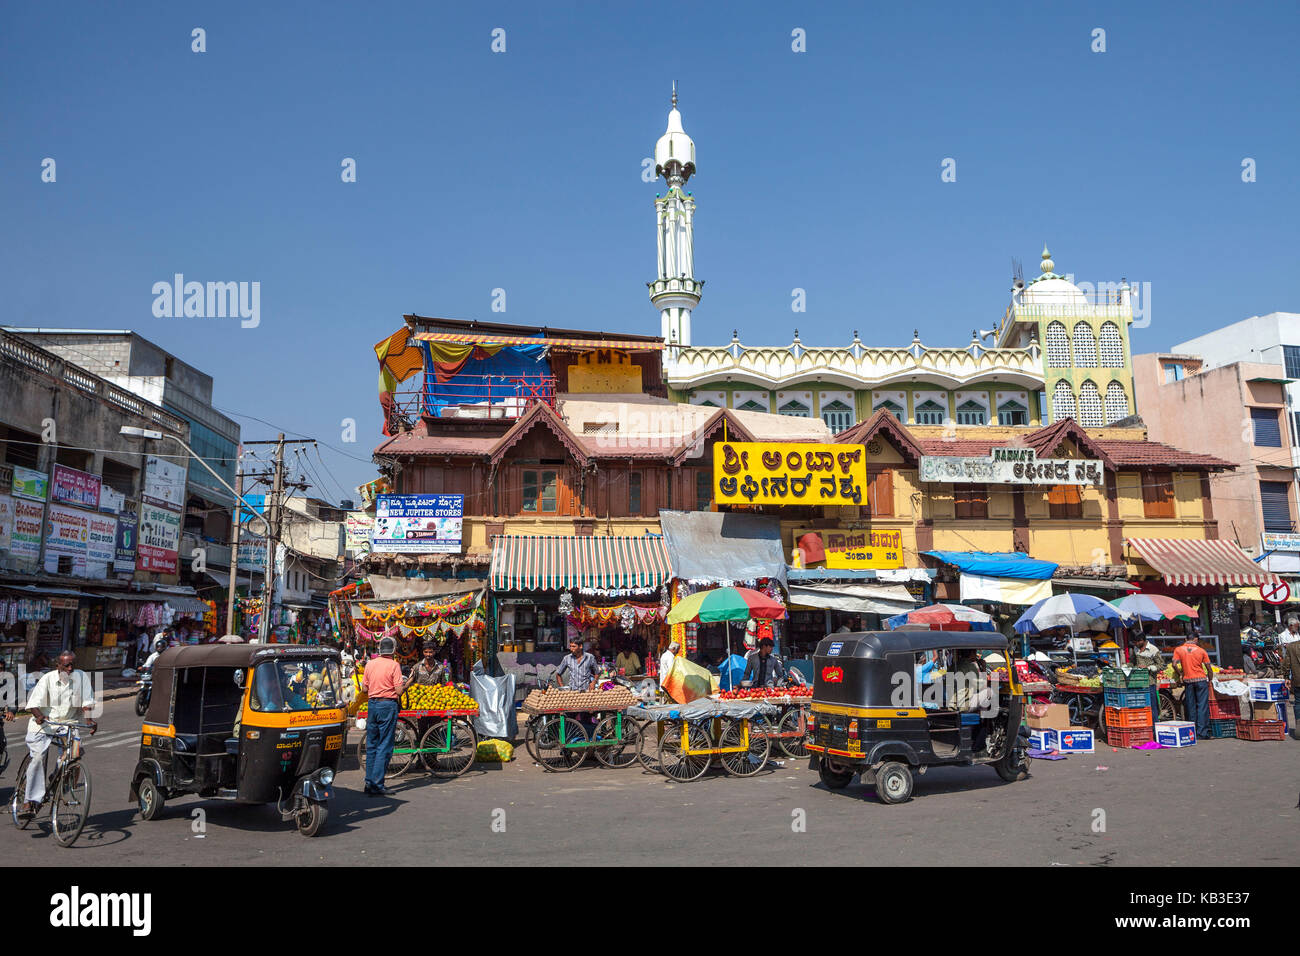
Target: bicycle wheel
pixel 747 762
pixel 20 796
pixel 675 762
pixel 449 747
pixel 555 750
pixel 530 738
pixel 626 750
pixel 795 745
pixel 649 753
pixel 71 803
pixel 404 738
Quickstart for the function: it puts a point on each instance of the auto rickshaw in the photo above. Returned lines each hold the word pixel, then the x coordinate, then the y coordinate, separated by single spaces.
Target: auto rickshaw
pixel 878 709
pixel 247 723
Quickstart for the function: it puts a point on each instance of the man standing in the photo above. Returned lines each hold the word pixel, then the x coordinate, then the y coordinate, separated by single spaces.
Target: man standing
pixel 59 697
pixel 428 671
pixel 1290 652
pixel 1291 634
pixel 1192 666
pixel 142 645
pixel 764 669
pixel 384 687
pixel 1146 654
pixel 666 660
pixel 579 665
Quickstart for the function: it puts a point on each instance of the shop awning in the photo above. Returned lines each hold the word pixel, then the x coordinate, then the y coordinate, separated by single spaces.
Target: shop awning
pixel 1101 584
pixel 1196 562
pixel 393 588
pixel 997 564
pixel 713 547
pixel 560 562
pixel 481 338
pixel 1003 590
pixel 862 598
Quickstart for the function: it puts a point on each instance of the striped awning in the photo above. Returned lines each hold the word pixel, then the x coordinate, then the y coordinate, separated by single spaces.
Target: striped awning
pixel 479 338
pixel 1196 562
pixel 560 562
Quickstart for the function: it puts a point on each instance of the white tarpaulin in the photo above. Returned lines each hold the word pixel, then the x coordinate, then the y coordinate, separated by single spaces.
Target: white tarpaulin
pixel 862 598
pixel 977 587
pixel 496 704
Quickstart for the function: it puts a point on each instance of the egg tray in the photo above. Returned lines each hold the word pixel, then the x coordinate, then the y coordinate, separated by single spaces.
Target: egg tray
pixel 561 701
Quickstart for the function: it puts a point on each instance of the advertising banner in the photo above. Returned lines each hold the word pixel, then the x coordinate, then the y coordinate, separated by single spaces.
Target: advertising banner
pixel 101 544
pixel 25 536
pixel 1280 541
pixel 160 539
pixel 359 528
pixel 164 483
pixel 6 520
pixel 33 485
pixel 128 529
pixel 424 524
pixel 865 548
pixel 66 533
pixel 111 501
pixel 789 473
pixel 1011 466
pixel 252 553
pixel 78 488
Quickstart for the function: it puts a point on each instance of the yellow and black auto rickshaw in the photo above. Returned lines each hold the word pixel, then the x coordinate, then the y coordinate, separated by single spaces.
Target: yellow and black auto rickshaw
pixel 890 704
pixel 248 723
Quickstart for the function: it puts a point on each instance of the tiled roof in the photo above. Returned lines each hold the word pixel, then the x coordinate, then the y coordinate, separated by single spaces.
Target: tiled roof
pixel 418 442
pixel 1129 453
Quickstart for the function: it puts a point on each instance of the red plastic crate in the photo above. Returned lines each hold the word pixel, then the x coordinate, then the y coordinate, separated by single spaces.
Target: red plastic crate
pixel 1129 736
pixel 1128 717
pixel 1224 707
pixel 1261 729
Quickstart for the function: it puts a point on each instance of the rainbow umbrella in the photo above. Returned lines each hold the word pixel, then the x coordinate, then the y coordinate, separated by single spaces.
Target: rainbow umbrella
pixel 1155 607
pixel 725 604
pixel 945 617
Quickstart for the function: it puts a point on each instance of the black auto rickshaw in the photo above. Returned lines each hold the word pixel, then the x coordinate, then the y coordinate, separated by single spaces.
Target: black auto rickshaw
pixel 877 709
pixel 248 723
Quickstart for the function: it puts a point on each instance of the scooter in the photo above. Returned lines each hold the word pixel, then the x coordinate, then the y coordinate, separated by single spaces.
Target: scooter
pixel 145 685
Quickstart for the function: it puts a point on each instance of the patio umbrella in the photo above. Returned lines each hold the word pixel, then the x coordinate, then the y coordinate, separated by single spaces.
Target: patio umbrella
pixel 945 617
pixel 1155 607
pixel 1078 612
pixel 725 604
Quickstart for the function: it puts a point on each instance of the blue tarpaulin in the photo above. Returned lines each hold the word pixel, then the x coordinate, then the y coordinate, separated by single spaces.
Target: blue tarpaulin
pixel 997 564
pixel 731 671
pixel 482 379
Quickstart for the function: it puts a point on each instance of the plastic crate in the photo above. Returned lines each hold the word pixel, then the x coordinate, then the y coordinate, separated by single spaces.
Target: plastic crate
pixel 1136 679
pixel 1261 729
pixel 1224 708
pixel 1223 728
pixel 1128 717
pixel 1128 736
pixel 1127 698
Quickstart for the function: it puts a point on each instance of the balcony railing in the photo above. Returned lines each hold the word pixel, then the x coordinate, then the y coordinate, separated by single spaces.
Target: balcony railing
pixel 477 396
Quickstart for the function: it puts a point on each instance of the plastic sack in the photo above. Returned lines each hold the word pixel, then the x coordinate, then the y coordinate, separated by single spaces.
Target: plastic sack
pixel 495 751
pixel 496 704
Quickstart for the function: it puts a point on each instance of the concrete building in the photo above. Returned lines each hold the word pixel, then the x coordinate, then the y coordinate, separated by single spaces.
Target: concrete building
pixel 1239 412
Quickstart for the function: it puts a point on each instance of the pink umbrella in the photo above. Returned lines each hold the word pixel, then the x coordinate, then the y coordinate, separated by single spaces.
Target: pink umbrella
pixel 945 617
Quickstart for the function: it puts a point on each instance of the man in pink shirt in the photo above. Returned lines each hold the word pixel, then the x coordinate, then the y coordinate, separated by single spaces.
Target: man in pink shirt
pixel 384 686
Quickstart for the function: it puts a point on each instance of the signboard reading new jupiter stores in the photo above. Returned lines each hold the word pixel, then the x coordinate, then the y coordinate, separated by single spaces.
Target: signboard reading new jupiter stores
pixel 1011 466
pixel 789 473
pixel 418 524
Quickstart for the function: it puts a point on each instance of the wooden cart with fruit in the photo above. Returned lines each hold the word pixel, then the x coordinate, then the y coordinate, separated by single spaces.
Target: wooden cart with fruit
pixel 434 729
pixel 565 725
pixel 789 730
pixel 691 737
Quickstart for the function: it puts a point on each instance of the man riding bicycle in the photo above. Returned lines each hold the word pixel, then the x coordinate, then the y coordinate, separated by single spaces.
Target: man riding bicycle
pixel 57 698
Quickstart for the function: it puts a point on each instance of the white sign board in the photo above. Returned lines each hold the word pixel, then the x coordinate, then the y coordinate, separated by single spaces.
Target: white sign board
pixel 1011 466
pixel 164 482
pixel 1280 541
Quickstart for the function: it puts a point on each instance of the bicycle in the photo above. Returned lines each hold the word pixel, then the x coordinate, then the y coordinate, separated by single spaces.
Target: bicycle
pixel 67 786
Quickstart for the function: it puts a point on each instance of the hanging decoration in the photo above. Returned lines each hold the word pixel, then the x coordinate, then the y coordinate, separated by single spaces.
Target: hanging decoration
pixel 627 616
pixel 409 609
pixel 366 634
pixel 616 592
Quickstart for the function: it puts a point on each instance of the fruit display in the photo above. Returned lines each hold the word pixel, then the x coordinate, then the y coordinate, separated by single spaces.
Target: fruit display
pixel 437 697
pixel 798 692
pixel 557 699
pixel 1073 678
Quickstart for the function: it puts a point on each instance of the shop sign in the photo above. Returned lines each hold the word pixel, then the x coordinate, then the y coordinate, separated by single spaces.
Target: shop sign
pixel 66 533
pixel 114 502
pixel 101 544
pixel 33 485
pixel 358 528
pixel 789 473
pixel 128 527
pixel 78 488
pixel 1278 541
pixel 421 524
pixel 164 482
pixel 1011 466
pixel 25 537
pixel 252 554
pixel 160 539
pixel 64 603
pixel 6 520
pixel 864 548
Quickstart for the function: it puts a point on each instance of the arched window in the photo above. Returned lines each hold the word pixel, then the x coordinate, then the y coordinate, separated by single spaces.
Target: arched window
pixel 837 416
pixel 930 413
pixel 753 406
pixel 972 413
pixel 1062 401
pixel 892 407
pixel 1116 402
pixel 1058 346
pixel 1085 346
pixel 796 409
pixel 1012 413
pixel 1111 346
pixel 1090 415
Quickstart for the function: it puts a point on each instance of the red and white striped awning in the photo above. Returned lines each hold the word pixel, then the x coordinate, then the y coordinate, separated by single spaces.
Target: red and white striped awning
pixel 1198 562
pixel 560 562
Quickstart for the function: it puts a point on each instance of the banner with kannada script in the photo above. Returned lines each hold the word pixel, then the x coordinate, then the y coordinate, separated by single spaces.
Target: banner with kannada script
pixel 789 473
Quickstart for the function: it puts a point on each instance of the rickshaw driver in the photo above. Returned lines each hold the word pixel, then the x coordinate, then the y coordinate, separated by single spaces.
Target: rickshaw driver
pixel 973 694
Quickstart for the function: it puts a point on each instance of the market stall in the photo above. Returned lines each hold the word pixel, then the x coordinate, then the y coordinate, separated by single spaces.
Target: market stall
pixel 453 625
pixel 690 737
pixel 434 730
pixel 565 725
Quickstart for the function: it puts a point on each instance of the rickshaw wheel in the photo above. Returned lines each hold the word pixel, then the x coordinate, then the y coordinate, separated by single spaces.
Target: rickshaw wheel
pixel 894 782
pixel 312 819
pixel 681 766
pixel 149 799
pixel 555 754
pixel 464 747
pixel 1012 767
pixel 744 763
pixel 834 779
pixel 793 746
pixel 621 754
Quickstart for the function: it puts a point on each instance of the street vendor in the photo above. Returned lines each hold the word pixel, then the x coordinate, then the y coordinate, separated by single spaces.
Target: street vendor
pixel 764 669
pixel 579 665
pixel 627 662
pixel 666 660
pixel 428 671
pixel 1146 654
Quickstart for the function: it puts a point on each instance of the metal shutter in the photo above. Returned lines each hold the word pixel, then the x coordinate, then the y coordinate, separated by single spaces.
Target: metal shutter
pixel 1276 505
pixel 1268 433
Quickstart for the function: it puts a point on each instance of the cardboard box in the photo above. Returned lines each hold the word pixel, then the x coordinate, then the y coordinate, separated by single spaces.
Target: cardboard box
pixel 1175 733
pixel 1045 739
pixel 1264 710
pixel 1077 740
pixel 1261 689
pixel 1056 718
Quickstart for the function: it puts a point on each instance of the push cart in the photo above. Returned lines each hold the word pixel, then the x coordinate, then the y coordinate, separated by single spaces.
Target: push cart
pixel 564 726
pixel 690 737
pixel 444 742
pixel 788 731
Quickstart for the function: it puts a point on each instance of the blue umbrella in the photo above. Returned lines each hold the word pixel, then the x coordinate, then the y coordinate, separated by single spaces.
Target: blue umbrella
pixel 730 671
pixel 1078 612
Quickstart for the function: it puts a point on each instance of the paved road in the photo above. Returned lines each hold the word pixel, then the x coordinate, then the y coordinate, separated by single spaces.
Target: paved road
pixel 1242 794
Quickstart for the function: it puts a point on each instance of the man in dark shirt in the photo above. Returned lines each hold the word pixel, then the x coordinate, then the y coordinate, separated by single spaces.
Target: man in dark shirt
pixel 764 669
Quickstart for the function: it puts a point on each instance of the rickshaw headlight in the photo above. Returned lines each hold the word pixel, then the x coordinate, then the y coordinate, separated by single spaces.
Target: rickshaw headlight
pixel 324 776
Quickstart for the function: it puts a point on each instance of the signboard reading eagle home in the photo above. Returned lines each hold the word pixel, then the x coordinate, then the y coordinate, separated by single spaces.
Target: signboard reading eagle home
pixel 789 473
pixel 1012 466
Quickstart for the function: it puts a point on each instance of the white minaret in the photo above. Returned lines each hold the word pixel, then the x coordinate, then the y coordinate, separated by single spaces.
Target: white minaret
pixel 676 290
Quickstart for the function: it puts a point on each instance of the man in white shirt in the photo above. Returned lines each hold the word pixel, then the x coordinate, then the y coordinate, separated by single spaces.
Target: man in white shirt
pixel 63 694
pixel 1292 632
pixel 142 645
pixel 666 661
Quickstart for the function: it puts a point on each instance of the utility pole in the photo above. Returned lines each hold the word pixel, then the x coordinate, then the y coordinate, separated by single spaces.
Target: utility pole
pixel 234 541
pixel 273 539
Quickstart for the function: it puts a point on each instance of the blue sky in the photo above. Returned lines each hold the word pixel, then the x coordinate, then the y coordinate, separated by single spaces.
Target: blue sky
pixel 817 170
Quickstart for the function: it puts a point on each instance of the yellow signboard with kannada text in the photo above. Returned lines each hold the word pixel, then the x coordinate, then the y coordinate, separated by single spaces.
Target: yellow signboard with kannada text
pixel 865 548
pixel 789 473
